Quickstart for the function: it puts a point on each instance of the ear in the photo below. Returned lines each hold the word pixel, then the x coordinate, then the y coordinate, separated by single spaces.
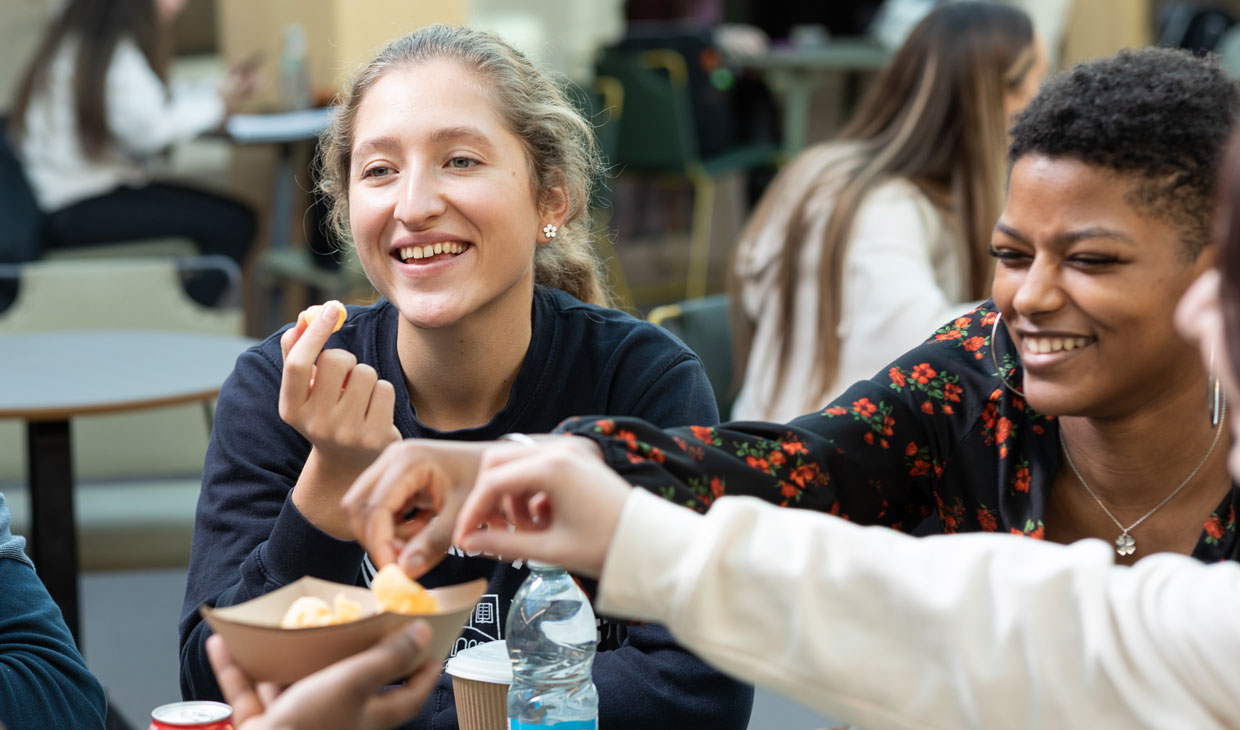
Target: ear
pixel 553 209
pixel 1206 259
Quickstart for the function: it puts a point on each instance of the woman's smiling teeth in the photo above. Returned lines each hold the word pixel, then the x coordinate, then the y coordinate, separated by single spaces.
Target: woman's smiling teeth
pixel 1038 345
pixel 430 249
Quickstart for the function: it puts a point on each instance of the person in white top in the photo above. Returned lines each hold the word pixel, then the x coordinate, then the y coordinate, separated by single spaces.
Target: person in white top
pixel 862 246
pixel 92 113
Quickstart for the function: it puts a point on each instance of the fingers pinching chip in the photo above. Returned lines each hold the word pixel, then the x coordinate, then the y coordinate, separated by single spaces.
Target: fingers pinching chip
pixel 307 316
pixel 397 593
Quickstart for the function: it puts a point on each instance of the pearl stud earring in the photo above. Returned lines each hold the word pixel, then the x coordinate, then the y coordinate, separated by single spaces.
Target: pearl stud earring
pixel 550 230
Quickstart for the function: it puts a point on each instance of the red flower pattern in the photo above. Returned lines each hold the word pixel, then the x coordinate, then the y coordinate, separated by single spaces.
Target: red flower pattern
pixel 864 407
pixel 934 403
pixel 923 373
pixel 986 520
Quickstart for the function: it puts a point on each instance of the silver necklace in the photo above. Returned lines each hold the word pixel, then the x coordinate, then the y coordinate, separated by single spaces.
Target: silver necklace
pixel 1125 544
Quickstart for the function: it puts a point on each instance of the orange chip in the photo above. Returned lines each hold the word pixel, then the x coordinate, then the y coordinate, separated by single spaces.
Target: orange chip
pixel 310 611
pixel 397 593
pixel 306 317
pixel 307 611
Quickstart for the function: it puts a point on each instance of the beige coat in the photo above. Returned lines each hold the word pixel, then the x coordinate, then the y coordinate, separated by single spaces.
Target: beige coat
pixel 879 629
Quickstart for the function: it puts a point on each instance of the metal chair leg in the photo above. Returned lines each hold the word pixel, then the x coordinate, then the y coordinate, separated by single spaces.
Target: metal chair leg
pixel 699 240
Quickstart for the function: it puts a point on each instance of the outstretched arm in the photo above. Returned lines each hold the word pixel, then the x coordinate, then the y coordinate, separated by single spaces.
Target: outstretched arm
pixel 877 628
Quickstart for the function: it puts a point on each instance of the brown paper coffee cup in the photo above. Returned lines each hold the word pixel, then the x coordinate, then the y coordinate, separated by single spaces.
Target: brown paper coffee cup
pixel 480 705
pixel 480 678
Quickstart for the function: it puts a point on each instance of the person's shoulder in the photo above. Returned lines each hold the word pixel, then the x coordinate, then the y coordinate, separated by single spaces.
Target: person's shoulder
pixel 899 194
pixel 128 57
pixel 604 327
pixel 967 336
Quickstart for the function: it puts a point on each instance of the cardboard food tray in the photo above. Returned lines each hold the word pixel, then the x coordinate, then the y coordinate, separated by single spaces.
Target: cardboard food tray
pixel 268 653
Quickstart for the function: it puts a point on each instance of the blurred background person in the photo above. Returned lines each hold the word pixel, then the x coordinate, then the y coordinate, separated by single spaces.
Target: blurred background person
pixel 94 111
pixel 863 245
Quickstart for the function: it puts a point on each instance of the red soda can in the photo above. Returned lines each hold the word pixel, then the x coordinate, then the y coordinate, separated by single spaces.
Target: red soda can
pixel 200 715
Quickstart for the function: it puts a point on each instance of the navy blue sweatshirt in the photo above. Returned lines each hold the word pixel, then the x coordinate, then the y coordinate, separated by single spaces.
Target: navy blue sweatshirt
pixel 249 539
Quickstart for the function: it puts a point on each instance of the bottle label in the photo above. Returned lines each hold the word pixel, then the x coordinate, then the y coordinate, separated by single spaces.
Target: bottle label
pixel 568 725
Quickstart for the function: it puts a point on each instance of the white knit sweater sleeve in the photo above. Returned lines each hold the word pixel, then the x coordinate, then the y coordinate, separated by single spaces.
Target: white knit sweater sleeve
pixel 883 630
pixel 144 116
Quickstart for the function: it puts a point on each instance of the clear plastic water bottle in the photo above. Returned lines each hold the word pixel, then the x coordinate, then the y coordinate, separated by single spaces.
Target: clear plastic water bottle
pixel 294 69
pixel 551 638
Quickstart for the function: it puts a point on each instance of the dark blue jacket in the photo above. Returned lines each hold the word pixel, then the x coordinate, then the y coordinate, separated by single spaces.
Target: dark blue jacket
pixel 249 539
pixel 44 682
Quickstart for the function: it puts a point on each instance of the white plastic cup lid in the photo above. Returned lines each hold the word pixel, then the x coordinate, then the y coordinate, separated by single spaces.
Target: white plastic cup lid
pixel 483 663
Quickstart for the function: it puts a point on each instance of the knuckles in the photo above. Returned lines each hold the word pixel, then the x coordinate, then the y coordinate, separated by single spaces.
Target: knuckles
pixel 337 358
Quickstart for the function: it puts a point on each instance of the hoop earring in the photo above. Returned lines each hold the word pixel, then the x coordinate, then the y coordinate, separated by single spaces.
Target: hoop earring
pixel 994 330
pixel 1214 394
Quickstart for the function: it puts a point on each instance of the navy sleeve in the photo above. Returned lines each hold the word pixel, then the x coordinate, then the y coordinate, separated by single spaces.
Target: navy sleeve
pixel 44 682
pixel 875 455
pixel 249 539
pixel 650 681
pixel 654 376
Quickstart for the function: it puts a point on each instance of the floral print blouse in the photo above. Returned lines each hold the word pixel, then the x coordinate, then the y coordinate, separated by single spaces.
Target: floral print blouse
pixel 936 433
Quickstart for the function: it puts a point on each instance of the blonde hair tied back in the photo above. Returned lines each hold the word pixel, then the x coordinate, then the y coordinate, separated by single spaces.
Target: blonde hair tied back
pixel 560 144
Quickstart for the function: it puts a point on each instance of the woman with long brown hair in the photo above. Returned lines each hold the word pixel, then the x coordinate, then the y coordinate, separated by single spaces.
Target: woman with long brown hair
pixel 863 245
pixel 91 114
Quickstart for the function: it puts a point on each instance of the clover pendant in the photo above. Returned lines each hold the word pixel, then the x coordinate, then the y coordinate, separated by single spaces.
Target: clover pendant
pixel 1125 545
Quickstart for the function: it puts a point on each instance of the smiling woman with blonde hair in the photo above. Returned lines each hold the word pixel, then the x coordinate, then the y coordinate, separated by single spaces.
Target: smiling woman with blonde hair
pixel 460 172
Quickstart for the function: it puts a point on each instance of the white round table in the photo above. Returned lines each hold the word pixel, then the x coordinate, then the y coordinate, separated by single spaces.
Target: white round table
pixel 50 377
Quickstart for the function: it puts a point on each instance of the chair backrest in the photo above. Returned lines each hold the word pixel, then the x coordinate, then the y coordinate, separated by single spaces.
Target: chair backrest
pixel 137 293
pixel 703 325
pixel 1229 51
pixel 657 133
pixel 708 85
pixel 21 221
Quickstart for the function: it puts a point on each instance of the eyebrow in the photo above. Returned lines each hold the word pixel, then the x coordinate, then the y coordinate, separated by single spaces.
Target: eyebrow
pixel 374 143
pixel 462 133
pixel 1065 239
